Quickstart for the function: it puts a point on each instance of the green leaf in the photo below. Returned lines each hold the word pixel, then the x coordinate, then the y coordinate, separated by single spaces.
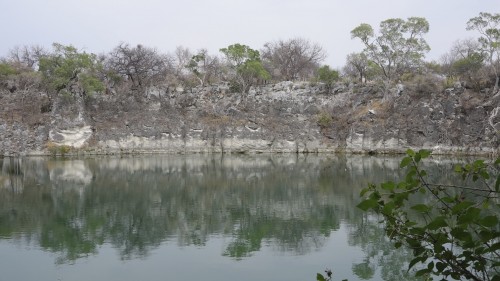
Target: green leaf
pixel 470 216
pixel 367 204
pixel 460 234
pixel 484 174
pixel 388 208
pixel 478 163
pixel 461 206
pixel 410 175
pixel 495 247
pixel 388 185
pixel 422 208
pixel 410 152
pixel 405 162
pixel 319 277
pixel 424 153
pixel 422 272
pixel 440 266
pixel 417 157
pixel 486 235
pixel 430 266
pixel 448 199
pixel 489 221
pixel 414 261
pixel 438 222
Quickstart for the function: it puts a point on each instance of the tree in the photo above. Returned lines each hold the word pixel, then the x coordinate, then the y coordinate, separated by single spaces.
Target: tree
pixel 454 234
pixel 399 48
pixel 356 66
pixel 327 75
pixel 464 60
pixel 27 56
pixel 17 70
pixel 293 59
pixel 66 67
pixel 141 65
pixel 488 25
pixel 6 70
pixel 181 60
pixel 204 66
pixel 245 64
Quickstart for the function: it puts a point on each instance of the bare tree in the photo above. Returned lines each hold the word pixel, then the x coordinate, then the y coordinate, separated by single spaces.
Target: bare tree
pixel 464 60
pixel 356 66
pixel 182 58
pixel 488 25
pixel 26 56
pixel 140 65
pixel 292 59
pixel 465 48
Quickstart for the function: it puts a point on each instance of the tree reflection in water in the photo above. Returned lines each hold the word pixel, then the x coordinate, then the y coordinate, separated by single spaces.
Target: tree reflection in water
pixel 291 203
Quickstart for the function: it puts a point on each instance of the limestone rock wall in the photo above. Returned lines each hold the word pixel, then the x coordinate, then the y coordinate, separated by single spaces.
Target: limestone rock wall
pixel 281 118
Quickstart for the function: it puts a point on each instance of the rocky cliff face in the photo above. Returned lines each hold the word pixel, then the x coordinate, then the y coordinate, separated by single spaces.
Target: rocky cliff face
pixel 285 117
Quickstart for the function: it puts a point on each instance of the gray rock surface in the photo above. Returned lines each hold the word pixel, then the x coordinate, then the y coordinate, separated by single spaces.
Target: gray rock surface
pixel 279 118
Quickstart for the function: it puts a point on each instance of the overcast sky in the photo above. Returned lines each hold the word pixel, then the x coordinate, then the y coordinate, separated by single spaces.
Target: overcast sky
pixel 100 25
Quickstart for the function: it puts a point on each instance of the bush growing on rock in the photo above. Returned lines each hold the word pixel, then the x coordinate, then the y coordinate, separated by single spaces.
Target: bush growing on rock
pixel 325 120
pixel 327 76
pixel 424 85
pixel 67 68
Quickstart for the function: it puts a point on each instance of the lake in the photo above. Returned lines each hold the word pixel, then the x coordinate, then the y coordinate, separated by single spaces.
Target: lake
pixel 194 217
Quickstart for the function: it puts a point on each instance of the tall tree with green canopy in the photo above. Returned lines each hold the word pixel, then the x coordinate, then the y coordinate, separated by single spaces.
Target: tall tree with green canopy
pixel 488 25
pixel 66 67
pixel 399 47
pixel 246 65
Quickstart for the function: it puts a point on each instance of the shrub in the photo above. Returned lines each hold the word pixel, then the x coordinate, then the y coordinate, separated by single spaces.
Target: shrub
pixel 55 149
pixel 424 85
pixel 324 120
pixel 6 70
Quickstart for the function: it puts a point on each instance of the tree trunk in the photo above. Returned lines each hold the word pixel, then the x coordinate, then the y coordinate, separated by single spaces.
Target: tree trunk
pixel 495 89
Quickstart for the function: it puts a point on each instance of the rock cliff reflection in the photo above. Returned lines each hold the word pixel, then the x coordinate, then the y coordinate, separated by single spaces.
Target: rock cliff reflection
pixel 291 203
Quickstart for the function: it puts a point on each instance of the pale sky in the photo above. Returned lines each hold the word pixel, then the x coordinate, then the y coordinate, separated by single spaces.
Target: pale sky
pixel 99 25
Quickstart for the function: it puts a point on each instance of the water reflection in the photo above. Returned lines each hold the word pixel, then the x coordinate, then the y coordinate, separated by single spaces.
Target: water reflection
pixel 291 203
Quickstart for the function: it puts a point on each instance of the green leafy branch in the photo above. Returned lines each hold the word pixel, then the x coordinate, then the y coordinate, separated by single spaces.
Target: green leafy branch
pixel 453 233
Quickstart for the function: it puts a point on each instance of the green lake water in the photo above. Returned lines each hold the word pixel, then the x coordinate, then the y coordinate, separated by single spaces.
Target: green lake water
pixel 194 217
